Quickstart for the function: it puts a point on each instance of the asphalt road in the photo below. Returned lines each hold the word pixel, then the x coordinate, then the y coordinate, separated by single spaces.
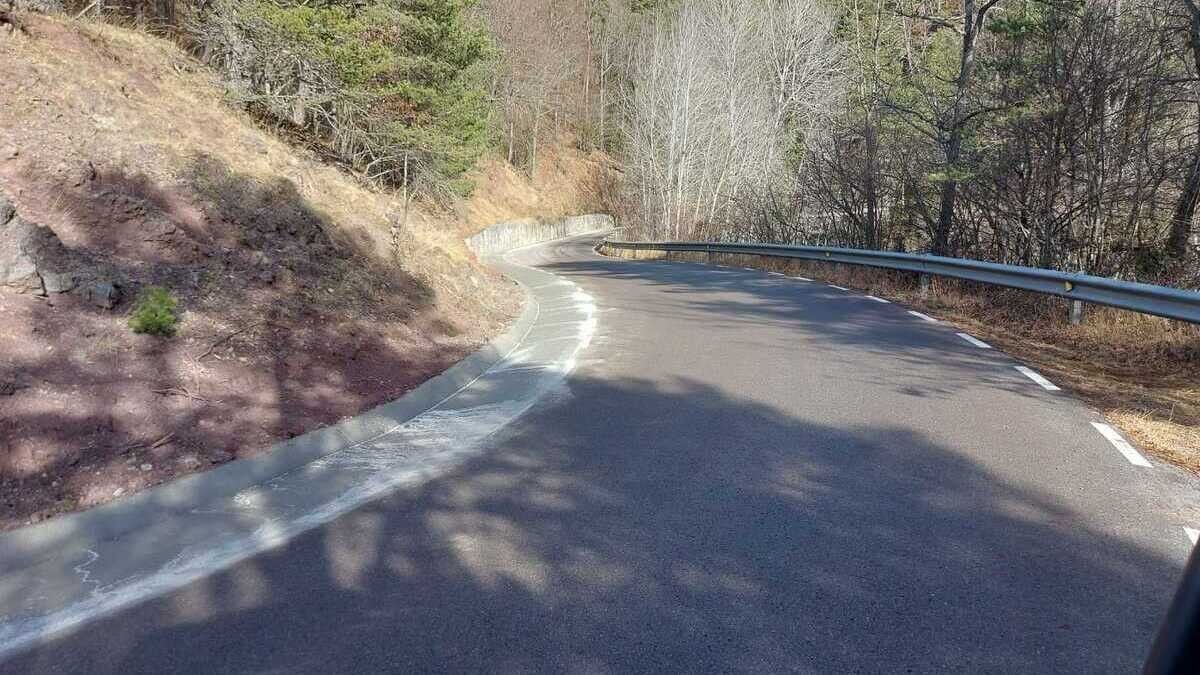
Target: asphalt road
pixel 744 472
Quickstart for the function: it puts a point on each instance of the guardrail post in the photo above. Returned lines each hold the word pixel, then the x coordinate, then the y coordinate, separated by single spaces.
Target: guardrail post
pixel 924 279
pixel 1076 312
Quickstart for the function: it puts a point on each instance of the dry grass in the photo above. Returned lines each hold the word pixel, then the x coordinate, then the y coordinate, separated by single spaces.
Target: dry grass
pixel 1141 372
pixel 298 310
pixel 134 103
pixel 569 181
pixel 77 91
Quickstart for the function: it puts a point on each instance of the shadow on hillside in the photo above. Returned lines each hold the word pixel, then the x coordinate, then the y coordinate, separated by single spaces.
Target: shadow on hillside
pixel 286 328
pixel 651 527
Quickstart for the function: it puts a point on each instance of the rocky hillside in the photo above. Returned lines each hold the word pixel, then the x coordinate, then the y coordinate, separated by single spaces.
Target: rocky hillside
pixel 303 295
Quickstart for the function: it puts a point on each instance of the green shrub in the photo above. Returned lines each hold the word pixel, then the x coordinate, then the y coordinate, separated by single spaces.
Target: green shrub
pixel 155 312
pixel 397 88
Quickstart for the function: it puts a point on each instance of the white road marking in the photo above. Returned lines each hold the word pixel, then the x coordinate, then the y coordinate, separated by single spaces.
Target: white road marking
pixel 838 287
pixel 975 341
pixel 1121 444
pixel 923 317
pixel 777 274
pixel 872 297
pixel 1037 377
pixel 802 279
pixel 1192 534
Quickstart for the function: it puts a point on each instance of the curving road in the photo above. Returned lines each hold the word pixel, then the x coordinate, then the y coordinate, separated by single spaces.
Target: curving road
pixel 743 472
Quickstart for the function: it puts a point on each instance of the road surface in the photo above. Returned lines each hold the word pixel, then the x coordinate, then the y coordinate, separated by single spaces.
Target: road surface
pixel 744 472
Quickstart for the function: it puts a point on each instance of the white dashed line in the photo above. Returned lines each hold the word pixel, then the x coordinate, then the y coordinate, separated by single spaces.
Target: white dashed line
pixel 1121 444
pixel 872 297
pixel 975 341
pixel 802 279
pixel 838 287
pixel 1192 534
pixel 923 317
pixel 1037 377
pixel 777 274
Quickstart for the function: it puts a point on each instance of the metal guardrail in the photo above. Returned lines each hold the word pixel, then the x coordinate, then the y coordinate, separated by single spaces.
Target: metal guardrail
pixel 1171 303
pixel 1176 647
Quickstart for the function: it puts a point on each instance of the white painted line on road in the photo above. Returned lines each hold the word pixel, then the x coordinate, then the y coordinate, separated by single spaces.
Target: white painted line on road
pixel 1192 534
pixel 777 274
pixel 975 341
pixel 872 297
pixel 1037 377
pixel 923 317
pixel 802 279
pixel 838 287
pixel 1121 444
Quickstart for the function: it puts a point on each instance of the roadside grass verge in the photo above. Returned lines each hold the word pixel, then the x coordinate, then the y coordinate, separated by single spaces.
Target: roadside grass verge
pixel 1141 372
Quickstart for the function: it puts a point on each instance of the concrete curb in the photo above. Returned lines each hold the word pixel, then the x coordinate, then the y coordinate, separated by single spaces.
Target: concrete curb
pixel 518 234
pixel 29 545
pixel 64 574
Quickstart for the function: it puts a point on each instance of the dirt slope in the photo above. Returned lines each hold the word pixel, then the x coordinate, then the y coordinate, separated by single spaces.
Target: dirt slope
pixel 300 307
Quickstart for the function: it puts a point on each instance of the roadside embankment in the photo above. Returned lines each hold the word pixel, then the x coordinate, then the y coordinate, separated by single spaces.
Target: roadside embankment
pixel 186 288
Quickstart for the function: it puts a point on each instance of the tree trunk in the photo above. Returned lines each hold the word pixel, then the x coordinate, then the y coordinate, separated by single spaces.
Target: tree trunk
pixel 1185 207
pixel 952 128
pixel 945 221
pixel 537 119
pixel 512 136
pixel 1185 210
pixel 872 230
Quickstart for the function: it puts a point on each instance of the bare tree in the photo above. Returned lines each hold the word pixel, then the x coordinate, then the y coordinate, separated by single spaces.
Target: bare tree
pixel 1185 205
pixel 543 70
pixel 719 92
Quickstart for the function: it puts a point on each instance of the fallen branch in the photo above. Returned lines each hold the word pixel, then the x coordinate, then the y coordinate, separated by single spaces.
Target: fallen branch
pixel 180 391
pixel 225 338
pixel 86 10
pixel 163 441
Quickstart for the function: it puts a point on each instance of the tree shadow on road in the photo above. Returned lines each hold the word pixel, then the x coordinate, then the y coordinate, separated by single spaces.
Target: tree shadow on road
pixel 640 526
pixel 826 324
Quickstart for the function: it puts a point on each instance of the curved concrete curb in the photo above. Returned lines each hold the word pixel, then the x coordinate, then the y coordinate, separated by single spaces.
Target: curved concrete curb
pixel 59 575
pixel 30 545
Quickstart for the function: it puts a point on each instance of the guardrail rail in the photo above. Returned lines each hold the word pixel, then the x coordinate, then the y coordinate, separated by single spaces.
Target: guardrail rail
pixel 1172 303
pixel 1176 647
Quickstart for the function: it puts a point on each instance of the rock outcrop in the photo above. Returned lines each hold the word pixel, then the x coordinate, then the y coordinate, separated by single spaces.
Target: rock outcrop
pixel 34 260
